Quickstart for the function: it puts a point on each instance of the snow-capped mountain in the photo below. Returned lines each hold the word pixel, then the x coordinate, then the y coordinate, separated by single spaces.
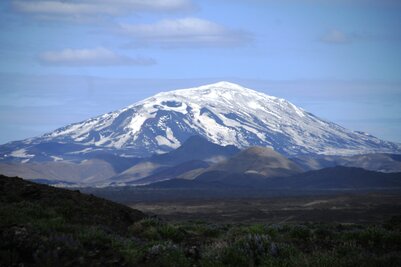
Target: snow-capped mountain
pixel 224 113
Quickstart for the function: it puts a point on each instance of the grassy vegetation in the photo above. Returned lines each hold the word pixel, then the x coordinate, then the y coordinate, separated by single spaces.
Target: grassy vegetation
pixel 42 237
pixel 34 232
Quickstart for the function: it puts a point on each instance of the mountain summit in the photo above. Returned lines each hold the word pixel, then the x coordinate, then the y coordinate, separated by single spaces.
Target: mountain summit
pixel 223 113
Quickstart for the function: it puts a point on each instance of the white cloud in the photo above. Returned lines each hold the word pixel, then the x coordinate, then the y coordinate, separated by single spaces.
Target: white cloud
pixel 90 57
pixel 184 32
pixel 335 37
pixel 57 8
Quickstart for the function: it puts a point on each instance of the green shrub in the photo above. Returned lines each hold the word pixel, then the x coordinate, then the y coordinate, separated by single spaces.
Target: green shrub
pixel 259 229
pixel 286 250
pixel 146 228
pixel 208 230
pixel 53 224
pixel 300 232
pixel 93 235
pixel 348 249
pixel 322 260
pixel 247 250
pixel 323 233
pixel 150 222
pixel 136 229
pixel 130 251
pixel 236 231
pixel 166 254
pixel 22 212
pixel 151 233
pixel 173 233
pixel 273 230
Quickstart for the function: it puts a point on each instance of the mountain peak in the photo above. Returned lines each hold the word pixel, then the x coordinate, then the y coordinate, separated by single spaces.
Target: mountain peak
pixel 226 90
pixel 224 84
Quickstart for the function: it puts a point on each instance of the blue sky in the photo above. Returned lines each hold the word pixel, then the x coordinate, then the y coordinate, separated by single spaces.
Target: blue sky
pixel 66 61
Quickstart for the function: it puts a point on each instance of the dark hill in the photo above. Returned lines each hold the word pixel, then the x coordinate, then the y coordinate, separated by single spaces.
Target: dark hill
pixel 340 177
pixel 73 206
pixel 232 179
pixel 328 179
pixel 46 226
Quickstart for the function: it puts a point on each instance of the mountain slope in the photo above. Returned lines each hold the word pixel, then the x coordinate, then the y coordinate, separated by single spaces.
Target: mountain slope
pixel 177 171
pixel 195 153
pixel 196 148
pixel 258 160
pixel 224 113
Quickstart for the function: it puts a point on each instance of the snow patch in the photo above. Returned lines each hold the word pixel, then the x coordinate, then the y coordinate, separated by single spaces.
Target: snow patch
pixel 137 122
pixel 21 153
pixel 55 158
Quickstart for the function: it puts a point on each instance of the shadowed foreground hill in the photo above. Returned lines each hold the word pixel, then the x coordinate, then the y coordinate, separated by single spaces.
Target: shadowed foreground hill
pixel 73 206
pixel 45 226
